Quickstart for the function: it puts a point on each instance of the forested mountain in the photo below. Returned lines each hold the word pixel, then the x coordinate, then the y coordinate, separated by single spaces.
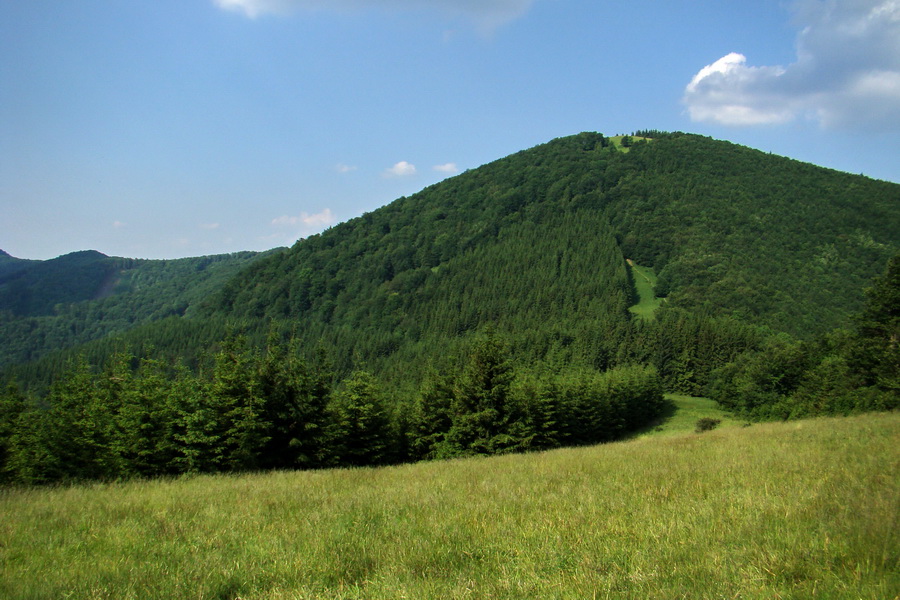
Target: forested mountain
pixel 536 244
pixel 75 298
pixel 487 313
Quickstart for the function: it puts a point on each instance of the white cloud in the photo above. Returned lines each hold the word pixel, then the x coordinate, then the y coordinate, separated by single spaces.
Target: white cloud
pixel 720 92
pixel 209 226
pixel 847 73
pixel 119 224
pixel 342 168
pixel 306 221
pixel 290 228
pixel 401 169
pixel 446 168
pixel 485 13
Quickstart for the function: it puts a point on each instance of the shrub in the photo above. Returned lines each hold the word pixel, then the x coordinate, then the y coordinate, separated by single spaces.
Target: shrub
pixel 706 424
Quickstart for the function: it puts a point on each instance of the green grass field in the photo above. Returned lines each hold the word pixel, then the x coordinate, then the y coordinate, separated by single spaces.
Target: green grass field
pixel 645 284
pixel 805 509
pixel 681 414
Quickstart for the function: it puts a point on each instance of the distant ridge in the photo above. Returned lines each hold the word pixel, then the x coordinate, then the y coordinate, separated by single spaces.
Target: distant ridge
pixel 49 305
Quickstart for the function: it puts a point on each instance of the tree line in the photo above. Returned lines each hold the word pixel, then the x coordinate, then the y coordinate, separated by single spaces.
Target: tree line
pixel 276 409
pixel 842 372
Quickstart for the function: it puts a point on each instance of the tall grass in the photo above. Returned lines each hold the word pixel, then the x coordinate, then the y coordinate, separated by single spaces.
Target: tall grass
pixel 805 509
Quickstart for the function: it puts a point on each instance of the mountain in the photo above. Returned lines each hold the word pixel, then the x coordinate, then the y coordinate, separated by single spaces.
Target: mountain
pixel 36 287
pixel 10 264
pixel 83 296
pixel 538 245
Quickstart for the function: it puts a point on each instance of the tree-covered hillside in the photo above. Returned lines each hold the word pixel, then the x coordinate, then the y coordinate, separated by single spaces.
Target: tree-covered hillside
pixel 50 305
pixel 11 264
pixel 769 240
pixel 536 244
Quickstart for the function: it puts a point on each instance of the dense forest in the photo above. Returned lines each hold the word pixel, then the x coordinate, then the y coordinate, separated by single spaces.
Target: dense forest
pixel 274 409
pixel 487 313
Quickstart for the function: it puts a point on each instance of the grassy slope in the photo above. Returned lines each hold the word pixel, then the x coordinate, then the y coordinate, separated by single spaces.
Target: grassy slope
pixel 682 414
pixel 645 284
pixel 805 509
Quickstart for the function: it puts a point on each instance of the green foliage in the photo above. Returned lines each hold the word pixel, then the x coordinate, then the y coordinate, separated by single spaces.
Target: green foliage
pixel 12 407
pixel 841 373
pixel 736 232
pixel 262 410
pixel 431 418
pixel 535 245
pixel 685 348
pixel 296 396
pixel 706 424
pixel 239 407
pixel 490 407
pixel 361 430
pixel 486 418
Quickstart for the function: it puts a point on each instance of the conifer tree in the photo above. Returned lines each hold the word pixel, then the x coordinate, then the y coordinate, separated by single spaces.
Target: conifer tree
pixel 197 425
pixel 432 418
pixel 877 353
pixel 361 434
pixel 234 395
pixel 486 417
pixel 12 407
pixel 295 397
pixel 78 433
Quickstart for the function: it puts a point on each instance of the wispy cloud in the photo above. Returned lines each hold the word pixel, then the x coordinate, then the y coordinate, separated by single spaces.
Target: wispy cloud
pixel 119 224
pixel 401 169
pixel 846 73
pixel 289 228
pixel 446 168
pixel 342 168
pixel 487 14
pixel 306 220
pixel 209 226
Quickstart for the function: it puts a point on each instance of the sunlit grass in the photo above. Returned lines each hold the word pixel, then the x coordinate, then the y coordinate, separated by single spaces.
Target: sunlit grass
pixel 681 414
pixel 805 509
pixel 616 141
pixel 645 284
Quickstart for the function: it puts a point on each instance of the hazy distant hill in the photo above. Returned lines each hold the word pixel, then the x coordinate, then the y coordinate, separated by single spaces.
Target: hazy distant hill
pixel 10 264
pixel 75 298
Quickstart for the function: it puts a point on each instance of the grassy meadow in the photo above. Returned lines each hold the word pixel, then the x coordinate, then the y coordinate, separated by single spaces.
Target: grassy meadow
pixel 804 509
pixel 645 284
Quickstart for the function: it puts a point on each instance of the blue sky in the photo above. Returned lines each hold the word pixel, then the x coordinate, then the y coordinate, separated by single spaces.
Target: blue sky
pixel 170 128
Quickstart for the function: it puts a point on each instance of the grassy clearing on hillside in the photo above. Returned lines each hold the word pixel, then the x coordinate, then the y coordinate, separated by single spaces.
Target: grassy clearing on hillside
pixel 617 141
pixel 681 416
pixel 804 509
pixel 645 284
